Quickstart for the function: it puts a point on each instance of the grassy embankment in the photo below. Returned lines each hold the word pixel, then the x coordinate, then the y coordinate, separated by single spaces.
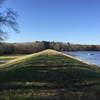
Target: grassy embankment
pixel 6 58
pixel 49 75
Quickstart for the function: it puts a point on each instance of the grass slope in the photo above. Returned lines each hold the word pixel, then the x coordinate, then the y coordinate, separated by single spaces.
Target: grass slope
pixel 48 75
pixel 6 58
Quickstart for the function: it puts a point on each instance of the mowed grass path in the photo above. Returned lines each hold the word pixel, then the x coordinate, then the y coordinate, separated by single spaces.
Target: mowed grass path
pixel 48 75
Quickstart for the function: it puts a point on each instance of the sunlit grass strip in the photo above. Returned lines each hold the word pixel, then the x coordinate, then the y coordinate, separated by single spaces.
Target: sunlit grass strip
pixel 48 52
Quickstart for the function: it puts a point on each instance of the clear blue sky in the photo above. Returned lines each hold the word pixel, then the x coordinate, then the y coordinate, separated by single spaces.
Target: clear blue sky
pixel 76 21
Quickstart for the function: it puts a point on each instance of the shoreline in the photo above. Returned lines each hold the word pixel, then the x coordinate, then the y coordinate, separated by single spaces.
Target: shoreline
pixel 79 59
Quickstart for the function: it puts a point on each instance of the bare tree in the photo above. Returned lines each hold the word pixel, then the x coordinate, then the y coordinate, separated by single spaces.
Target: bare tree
pixel 7 19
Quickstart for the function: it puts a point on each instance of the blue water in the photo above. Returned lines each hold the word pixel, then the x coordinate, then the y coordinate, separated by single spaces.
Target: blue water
pixel 90 56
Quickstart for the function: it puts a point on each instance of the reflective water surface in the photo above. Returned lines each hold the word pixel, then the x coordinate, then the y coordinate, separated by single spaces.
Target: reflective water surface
pixel 90 56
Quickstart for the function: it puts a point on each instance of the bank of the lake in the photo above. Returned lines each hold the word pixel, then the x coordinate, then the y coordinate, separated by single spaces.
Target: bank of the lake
pixel 49 75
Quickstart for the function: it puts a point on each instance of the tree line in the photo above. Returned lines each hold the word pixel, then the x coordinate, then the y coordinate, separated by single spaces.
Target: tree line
pixel 32 47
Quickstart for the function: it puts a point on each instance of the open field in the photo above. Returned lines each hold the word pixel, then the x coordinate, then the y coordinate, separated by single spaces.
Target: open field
pixel 49 75
pixel 6 58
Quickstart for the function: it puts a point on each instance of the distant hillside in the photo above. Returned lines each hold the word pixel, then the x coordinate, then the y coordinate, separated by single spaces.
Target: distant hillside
pixel 28 48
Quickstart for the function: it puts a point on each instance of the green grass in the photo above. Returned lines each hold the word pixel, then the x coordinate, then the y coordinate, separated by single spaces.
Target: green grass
pixel 7 58
pixel 49 75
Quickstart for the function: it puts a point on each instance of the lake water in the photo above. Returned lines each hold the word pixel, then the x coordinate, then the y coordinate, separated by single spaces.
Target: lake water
pixel 89 56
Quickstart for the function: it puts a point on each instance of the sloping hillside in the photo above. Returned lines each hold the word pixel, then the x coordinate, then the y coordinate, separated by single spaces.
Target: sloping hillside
pixel 48 75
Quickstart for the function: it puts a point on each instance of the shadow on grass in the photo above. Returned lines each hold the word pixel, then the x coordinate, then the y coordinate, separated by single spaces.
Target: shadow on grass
pixel 49 83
